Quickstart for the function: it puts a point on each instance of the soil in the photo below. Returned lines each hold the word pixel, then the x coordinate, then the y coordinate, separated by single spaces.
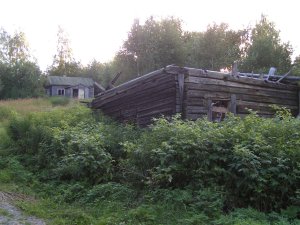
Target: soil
pixel 11 215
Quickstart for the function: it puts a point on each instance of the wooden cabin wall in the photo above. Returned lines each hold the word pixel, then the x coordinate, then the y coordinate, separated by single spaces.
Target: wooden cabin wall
pixel 255 94
pixel 141 100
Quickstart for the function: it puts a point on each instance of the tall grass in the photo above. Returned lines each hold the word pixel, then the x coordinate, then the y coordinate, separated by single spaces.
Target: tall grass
pixel 26 106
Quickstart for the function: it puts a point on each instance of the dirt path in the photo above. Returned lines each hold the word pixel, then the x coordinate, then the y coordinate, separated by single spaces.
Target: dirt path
pixel 11 215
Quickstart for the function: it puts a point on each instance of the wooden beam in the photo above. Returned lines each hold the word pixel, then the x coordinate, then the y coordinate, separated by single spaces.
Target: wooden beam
pixel 233 104
pixel 209 114
pixel 181 90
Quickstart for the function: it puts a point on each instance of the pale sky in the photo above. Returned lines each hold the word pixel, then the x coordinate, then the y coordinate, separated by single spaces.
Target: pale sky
pixel 98 28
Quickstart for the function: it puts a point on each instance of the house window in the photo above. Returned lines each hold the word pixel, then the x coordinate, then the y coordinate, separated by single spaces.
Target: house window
pixel 61 92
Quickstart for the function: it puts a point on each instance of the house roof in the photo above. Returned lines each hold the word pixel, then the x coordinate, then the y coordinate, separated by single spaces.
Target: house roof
pixel 69 81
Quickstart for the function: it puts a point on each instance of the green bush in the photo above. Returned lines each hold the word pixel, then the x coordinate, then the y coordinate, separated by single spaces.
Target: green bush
pixel 255 159
pixel 204 166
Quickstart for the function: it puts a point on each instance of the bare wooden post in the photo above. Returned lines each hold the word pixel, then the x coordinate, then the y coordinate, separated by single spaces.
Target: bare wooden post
pixel 209 114
pixel 233 104
pixel 235 71
pixel 181 89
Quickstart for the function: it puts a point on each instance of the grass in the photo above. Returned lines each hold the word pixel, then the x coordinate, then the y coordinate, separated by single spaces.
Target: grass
pixel 4 212
pixel 25 106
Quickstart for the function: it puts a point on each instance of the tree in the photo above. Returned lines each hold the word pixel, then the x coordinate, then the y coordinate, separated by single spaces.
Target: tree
pixel 266 50
pixel 151 46
pixel 14 49
pixel 100 72
pixel 296 69
pixel 218 47
pixel 21 80
pixel 63 61
pixel 20 76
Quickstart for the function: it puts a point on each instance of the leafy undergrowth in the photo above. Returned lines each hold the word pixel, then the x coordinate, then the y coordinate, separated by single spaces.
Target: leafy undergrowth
pixel 86 169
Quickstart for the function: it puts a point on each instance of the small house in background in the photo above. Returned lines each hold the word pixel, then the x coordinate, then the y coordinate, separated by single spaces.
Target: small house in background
pixel 73 87
pixel 196 93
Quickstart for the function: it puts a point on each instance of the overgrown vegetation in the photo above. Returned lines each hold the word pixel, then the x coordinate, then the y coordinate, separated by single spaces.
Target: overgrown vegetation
pixel 88 169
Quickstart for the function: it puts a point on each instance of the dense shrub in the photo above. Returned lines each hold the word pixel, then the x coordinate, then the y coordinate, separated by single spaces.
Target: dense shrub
pixel 256 160
pixel 219 166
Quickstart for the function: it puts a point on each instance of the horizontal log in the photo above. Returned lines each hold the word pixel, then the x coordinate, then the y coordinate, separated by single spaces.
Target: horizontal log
pixel 267 100
pixel 158 111
pixel 207 95
pixel 196 110
pixel 237 90
pixel 244 97
pixel 137 80
pixel 157 104
pixel 139 101
pixel 242 80
pixel 194 101
pixel 159 89
pixel 132 90
pixel 236 83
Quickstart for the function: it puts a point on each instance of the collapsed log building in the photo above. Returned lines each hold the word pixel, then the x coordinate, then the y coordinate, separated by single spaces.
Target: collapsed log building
pixel 196 93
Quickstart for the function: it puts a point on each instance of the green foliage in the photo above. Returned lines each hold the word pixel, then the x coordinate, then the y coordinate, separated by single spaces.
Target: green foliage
pixel 266 50
pixel 253 217
pixel 190 172
pixel 296 69
pixel 20 80
pixel 109 192
pixel 256 160
pixel 151 46
pixel 216 48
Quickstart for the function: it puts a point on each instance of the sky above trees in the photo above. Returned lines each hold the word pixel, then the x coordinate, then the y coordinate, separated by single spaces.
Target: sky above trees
pixel 97 29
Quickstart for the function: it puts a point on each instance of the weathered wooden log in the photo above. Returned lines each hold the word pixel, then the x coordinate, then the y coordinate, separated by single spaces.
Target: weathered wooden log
pixel 285 94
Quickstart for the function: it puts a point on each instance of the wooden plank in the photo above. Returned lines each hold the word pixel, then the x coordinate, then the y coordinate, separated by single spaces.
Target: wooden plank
pixel 207 94
pixel 267 100
pixel 234 83
pixel 233 104
pixel 180 90
pixel 209 114
pixel 156 104
pixel 136 101
pixel 158 112
pixel 196 109
pixel 134 90
pixel 242 80
pixel 250 98
pixel 286 94
pixel 143 78
pixel 194 101
pixel 159 88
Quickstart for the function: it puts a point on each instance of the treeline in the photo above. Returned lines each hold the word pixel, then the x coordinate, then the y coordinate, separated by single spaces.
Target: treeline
pixel 150 46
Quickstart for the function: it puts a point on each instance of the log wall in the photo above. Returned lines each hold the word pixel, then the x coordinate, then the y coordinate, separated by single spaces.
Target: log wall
pixel 193 93
pixel 201 88
pixel 140 100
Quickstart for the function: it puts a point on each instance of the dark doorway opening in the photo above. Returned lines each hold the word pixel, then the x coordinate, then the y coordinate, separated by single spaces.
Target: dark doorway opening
pixel 75 93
